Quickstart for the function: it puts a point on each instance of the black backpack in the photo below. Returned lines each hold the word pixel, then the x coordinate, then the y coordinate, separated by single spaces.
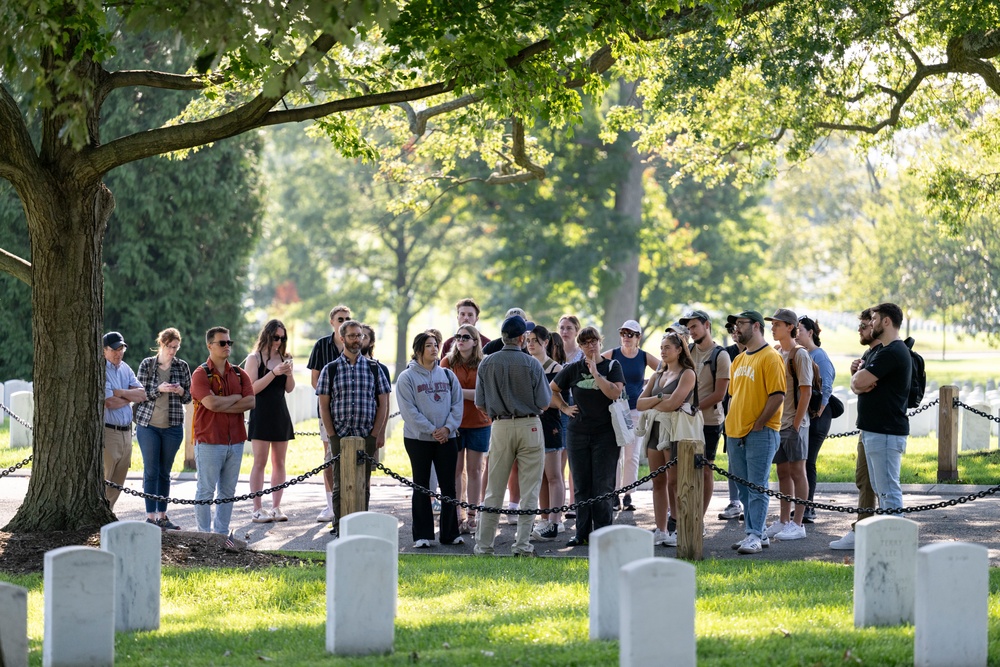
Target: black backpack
pixel 918 376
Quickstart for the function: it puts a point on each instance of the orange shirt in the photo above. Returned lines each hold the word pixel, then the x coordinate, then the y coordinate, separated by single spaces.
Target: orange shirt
pixel 472 417
pixel 219 428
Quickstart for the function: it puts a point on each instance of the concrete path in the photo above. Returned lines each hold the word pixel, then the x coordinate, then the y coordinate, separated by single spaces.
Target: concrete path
pixel 975 522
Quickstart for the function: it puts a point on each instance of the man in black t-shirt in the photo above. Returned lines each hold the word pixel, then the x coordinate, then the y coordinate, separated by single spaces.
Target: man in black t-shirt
pixel 883 388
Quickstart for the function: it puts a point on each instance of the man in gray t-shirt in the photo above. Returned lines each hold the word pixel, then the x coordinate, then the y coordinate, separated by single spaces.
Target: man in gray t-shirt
pixel 793 449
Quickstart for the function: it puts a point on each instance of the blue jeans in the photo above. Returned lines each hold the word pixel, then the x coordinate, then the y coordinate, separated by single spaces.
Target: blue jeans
pixel 750 458
pixel 218 471
pixel 885 454
pixel 159 447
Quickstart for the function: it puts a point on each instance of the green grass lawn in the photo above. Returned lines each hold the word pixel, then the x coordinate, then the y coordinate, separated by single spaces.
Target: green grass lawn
pixel 506 611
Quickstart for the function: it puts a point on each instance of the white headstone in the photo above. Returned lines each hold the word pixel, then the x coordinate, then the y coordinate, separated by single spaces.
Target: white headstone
pixel 657 613
pixel 995 411
pixel 374 524
pixel 611 548
pixel 360 595
pixel 851 410
pixel 975 429
pixel 22 403
pixel 921 424
pixel 13 625
pixel 79 607
pixel 8 389
pixel 952 612
pixel 885 565
pixel 137 549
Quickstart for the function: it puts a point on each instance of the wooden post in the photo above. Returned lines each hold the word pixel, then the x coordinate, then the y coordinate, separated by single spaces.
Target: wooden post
pixel 352 476
pixel 690 514
pixel 947 434
pixel 189 460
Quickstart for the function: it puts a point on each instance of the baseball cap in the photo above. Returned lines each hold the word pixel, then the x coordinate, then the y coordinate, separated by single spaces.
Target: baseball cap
pixel 114 340
pixel 694 315
pixel 784 315
pixel 752 315
pixel 679 328
pixel 514 326
pixel 631 325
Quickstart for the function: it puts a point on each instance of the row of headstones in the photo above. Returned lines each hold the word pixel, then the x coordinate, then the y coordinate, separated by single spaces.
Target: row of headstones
pixel 942 589
pixel 92 593
pixel 975 430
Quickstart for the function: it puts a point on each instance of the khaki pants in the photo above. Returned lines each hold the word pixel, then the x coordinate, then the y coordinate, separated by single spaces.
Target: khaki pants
pixel 866 495
pixel 117 458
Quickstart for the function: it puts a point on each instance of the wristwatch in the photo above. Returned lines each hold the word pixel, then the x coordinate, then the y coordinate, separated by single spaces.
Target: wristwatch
pixel 660 396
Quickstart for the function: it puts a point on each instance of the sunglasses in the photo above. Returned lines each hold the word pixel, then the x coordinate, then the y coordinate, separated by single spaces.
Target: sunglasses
pixel 223 343
pixel 340 319
pixel 628 334
pixel 463 337
pixel 280 339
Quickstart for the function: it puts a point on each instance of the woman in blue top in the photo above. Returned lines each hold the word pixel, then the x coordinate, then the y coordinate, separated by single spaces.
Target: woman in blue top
pixel 819 422
pixel 634 364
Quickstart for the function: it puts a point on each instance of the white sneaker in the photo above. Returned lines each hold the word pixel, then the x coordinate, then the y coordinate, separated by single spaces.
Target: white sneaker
pixel 732 511
pixel 261 516
pixel 278 515
pixel 776 528
pixel 659 538
pixel 751 545
pixel 670 539
pixel 326 516
pixel 512 518
pixel 422 544
pixel 846 543
pixel 561 527
pixel 792 531
pixel 765 542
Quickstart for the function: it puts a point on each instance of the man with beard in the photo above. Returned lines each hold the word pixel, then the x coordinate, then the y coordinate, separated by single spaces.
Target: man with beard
pixel 758 391
pixel 353 402
pixel 883 389
pixel 866 496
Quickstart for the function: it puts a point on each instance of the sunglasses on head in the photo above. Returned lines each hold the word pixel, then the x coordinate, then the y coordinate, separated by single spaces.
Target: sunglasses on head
pixel 463 337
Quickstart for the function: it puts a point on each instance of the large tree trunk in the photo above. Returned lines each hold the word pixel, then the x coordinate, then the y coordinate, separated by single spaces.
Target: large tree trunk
pixel 66 224
pixel 622 302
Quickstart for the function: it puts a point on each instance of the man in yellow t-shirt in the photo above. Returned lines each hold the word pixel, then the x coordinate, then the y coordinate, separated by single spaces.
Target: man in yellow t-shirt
pixel 757 387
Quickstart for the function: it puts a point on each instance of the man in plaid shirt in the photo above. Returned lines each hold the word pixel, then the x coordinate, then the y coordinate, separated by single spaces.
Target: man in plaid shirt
pixel 353 402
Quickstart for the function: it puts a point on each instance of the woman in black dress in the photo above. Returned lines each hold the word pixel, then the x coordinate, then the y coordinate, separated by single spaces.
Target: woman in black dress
pixel 270 424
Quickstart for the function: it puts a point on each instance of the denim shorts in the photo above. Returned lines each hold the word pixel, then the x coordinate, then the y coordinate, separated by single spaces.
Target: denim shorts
pixel 474 439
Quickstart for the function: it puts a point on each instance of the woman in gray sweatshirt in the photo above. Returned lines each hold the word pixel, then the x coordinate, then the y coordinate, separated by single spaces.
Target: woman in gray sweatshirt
pixel 430 402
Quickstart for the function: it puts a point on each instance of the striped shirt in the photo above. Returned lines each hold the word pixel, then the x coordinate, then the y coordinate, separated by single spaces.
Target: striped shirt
pixel 150 381
pixel 353 391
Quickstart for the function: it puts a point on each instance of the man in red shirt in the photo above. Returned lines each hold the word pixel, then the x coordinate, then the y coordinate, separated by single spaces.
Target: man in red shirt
pixel 222 393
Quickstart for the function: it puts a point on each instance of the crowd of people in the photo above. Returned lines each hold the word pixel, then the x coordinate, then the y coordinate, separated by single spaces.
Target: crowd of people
pixel 488 419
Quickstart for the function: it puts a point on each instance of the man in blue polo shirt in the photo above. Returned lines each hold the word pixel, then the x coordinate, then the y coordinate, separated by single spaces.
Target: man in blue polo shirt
pixel 121 390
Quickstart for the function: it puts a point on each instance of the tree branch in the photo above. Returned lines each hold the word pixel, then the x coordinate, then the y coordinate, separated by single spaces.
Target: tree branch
pixel 17 153
pixel 15 266
pixel 102 159
pixel 165 80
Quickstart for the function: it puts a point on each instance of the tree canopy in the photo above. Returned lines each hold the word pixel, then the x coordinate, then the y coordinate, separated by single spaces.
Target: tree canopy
pixel 725 86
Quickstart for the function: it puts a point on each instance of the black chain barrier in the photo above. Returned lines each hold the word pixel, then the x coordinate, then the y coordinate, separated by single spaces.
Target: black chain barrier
pixel 854 510
pixel 223 501
pixel 363 456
